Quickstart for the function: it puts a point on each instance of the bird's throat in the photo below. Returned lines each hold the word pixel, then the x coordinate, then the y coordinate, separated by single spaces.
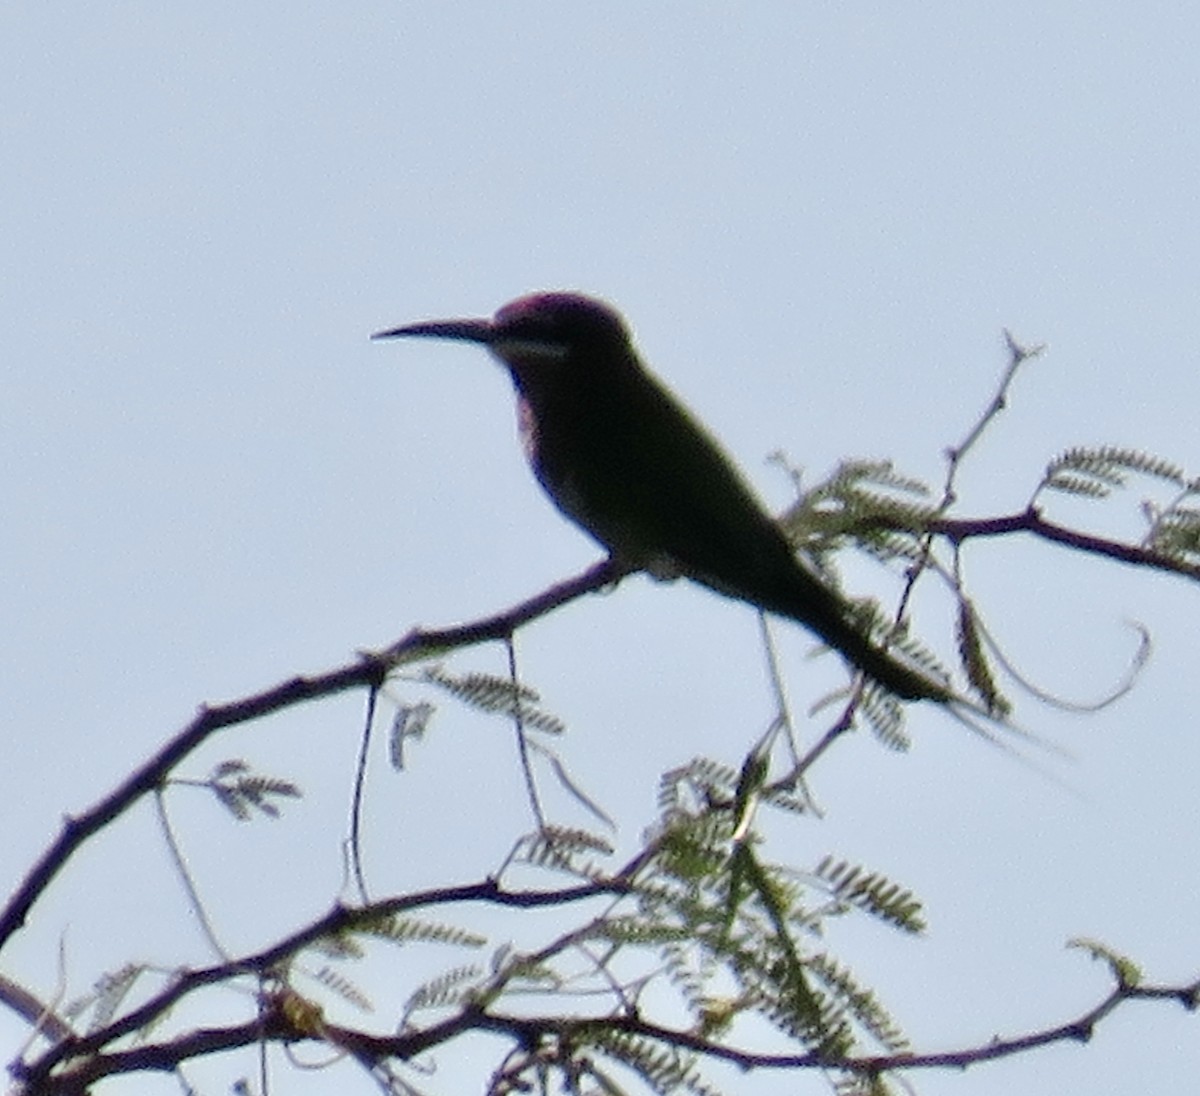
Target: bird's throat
pixel 528 430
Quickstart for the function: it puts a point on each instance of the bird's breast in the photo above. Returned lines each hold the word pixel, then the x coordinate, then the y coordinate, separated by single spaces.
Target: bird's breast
pixel 573 464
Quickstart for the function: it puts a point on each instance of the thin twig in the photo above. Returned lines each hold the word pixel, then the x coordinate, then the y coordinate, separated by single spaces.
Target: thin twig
pixel 356 798
pixel 185 876
pixel 518 718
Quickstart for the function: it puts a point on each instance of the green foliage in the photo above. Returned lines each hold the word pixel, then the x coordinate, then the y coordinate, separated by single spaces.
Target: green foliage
pixel 860 1084
pixel 106 996
pixel 395 929
pixel 860 1004
pixel 347 990
pixel 863 503
pixel 399 929
pixel 975 661
pixel 683 788
pixel 703 781
pixel 1126 972
pixel 1175 531
pixel 449 988
pixel 884 714
pixel 242 793
pixel 562 849
pixel 704 912
pixel 1096 472
pixel 663 1069
pixel 489 693
pixel 872 893
pixel 730 927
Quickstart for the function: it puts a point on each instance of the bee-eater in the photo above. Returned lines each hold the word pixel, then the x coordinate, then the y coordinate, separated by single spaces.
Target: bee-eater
pixel 621 457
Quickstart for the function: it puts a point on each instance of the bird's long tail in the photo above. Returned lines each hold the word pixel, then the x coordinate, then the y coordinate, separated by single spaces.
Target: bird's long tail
pixel 887 669
pixel 804 598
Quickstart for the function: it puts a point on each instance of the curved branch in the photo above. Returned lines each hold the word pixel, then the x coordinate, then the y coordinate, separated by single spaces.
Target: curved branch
pixel 1031 521
pixel 339 920
pixel 278 1025
pixel 368 672
pixel 1080 1030
pixel 960 530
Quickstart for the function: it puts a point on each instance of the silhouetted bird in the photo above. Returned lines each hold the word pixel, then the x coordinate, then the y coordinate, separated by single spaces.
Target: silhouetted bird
pixel 621 457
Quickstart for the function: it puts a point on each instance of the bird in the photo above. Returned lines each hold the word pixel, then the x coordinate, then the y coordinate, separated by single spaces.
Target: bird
pixel 622 457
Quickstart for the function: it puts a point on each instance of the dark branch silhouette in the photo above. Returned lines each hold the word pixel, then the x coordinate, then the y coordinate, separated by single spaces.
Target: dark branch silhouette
pixel 697 891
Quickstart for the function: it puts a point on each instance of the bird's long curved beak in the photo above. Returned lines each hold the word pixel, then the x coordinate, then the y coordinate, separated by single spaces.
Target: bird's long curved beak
pixel 477 331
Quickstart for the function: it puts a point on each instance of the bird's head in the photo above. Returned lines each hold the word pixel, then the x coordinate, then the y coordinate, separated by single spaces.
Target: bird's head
pixel 537 333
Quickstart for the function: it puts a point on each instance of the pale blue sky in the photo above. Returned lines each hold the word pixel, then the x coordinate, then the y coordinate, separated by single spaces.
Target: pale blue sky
pixel 818 219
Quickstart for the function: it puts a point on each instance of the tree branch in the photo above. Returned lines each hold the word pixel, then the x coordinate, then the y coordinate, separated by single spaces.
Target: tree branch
pixel 368 672
pixel 1031 521
pixel 340 919
pixel 277 1024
